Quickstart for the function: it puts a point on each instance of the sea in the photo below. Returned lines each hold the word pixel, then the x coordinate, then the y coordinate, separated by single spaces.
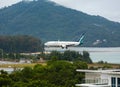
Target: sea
pixel 106 54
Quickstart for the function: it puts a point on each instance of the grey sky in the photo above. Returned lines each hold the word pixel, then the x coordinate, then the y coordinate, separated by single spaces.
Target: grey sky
pixel 7 2
pixel 107 8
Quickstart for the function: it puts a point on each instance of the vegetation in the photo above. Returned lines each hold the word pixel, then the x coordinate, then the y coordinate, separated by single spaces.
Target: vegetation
pixel 16 66
pixel 103 66
pixel 54 55
pixel 17 44
pixel 54 74
pixel 67 55
pixel 48 21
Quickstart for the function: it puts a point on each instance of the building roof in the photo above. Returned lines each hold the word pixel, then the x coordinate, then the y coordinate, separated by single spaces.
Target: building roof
pixel 113 71
pixel 92 85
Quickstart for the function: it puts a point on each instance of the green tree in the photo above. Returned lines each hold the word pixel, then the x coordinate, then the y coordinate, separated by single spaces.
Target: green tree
pixel 20 84
pixel 72 55
pixel 86 57
pixel 38 83
pixel 3 72
pixel 27 73
pixel 80 65
pixel 67 55
pixel 19 43
pixel 16 76
pixel 55 55
pixel 5 81
pixel 61 73
pixel 11 55
pixel 57 73
pixel 1 53
pixel 18 55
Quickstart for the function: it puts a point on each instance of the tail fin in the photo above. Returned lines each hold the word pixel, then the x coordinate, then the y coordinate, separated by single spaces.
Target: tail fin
pixel 81 39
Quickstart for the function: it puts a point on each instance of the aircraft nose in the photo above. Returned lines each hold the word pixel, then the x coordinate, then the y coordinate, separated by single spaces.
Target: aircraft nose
pixel 45 44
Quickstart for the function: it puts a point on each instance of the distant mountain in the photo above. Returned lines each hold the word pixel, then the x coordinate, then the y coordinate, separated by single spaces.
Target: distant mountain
pixel 50 21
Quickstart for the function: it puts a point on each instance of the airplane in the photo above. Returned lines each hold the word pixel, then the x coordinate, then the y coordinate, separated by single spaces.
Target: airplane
pixel 65 44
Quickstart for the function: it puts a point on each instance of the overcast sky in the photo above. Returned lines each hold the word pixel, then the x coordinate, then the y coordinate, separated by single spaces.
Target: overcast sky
pixel 107 8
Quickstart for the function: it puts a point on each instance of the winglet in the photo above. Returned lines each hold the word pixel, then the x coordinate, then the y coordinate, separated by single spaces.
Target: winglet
pixel 81 39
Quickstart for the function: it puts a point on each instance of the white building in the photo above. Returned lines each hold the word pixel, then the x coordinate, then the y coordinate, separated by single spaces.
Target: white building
pixel 100 78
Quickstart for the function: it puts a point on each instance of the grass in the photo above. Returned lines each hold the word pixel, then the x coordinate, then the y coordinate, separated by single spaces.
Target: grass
pixel 19 65
pixel 95 65
pixel 109 65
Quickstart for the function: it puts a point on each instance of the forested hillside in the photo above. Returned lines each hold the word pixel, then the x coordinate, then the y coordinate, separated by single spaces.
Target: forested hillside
pixel 20 44
pixel 49 21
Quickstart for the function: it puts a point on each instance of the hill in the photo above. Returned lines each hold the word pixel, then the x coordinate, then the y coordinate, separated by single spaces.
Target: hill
pixel 49 21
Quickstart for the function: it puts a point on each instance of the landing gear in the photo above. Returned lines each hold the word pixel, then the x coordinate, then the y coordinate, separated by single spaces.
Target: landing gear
pixel 64 47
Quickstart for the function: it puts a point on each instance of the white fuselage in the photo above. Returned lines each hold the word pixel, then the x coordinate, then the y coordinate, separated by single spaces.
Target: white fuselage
pixel 61 44
pixel 64 44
